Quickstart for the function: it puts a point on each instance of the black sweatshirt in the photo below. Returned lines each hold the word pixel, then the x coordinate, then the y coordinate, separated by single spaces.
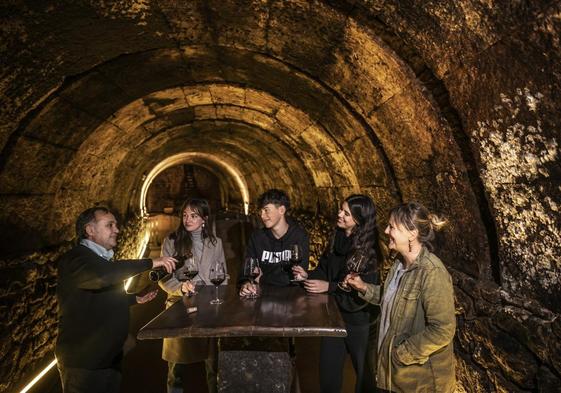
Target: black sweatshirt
pixel 93 308
pixel 274 254
pixel 332 267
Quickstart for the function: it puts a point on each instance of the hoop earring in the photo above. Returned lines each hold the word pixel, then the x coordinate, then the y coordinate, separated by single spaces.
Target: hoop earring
pixel 409 245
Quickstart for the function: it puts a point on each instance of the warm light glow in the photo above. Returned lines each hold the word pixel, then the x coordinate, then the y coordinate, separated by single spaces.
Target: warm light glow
pixel 194 157
pixel 39 376
pixel 144 243
pixel 128 283
pixel 143 246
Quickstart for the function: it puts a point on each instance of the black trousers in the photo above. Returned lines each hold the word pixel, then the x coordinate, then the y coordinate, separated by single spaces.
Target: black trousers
pixel 81 380
pixel 332 360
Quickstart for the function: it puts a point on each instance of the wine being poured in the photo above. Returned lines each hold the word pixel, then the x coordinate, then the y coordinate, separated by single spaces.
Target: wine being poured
pixel 189 271
pixel 161 273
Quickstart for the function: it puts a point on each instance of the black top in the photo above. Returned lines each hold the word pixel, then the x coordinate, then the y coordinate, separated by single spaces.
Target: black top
pixel 274 254
pixel 332 267
pixel 93 308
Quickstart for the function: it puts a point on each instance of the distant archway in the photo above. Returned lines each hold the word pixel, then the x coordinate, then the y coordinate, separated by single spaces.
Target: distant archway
pixel 196 158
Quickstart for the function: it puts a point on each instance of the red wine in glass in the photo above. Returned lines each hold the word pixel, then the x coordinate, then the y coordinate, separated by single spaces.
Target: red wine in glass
pixel 188 275
pixel 251 271
pixel 295 255
pixel 295 258
pixel 217 280
pixel 189 270
pixel 217 277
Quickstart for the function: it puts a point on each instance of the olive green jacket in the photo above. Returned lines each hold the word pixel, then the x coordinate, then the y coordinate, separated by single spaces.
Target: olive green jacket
pixel 417 354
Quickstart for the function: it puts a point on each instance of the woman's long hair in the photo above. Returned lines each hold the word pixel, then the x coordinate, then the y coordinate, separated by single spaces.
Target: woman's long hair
pixel 364 234
pixel 182 240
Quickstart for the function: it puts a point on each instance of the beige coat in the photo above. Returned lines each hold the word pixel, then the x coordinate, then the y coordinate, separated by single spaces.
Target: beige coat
pixel 417 354
pixel 190 350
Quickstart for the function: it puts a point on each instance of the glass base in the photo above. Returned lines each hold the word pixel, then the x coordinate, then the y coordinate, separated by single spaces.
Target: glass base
pixel 344 287
pixel 216 301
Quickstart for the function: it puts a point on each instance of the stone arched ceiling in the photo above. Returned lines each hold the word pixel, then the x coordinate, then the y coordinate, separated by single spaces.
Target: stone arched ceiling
pixel 454 104
pixel 278 124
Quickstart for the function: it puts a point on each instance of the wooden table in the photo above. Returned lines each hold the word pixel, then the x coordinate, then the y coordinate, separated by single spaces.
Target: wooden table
pixel 278 312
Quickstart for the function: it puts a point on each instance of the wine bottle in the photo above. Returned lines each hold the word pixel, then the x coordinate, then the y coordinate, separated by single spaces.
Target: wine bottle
pixel 160 273
pixel 157 274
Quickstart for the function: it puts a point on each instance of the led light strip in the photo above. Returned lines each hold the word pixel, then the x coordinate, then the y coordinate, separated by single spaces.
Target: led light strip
pixel 38 377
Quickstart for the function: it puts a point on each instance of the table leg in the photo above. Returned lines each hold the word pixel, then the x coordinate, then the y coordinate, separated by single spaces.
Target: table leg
pixel 255 364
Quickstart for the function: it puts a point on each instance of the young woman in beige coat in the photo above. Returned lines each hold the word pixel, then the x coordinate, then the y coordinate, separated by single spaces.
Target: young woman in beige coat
pixel 191 239
pixel 417 321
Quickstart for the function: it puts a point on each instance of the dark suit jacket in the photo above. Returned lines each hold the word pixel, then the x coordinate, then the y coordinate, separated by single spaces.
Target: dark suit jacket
pixel 93 308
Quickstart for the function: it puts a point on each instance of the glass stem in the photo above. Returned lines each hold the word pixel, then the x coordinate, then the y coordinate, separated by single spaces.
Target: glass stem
pixel 216 290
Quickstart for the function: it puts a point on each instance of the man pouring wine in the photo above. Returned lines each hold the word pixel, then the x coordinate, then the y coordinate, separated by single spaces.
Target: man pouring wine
pixel 93 307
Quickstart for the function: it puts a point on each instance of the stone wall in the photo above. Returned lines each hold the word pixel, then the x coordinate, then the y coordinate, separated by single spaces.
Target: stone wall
pixel 29 315
pixel 454 104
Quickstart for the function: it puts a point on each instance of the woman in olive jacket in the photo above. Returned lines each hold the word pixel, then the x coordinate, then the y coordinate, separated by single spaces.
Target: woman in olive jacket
pixel 417 321
pixel 191 239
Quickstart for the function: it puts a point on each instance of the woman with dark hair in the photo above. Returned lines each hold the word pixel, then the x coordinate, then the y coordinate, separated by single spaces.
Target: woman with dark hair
pixel 417 325
pixel 355 237
pixel 191 240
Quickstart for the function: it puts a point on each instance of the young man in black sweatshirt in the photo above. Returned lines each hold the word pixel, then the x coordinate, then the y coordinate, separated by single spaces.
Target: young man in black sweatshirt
pixel 272 244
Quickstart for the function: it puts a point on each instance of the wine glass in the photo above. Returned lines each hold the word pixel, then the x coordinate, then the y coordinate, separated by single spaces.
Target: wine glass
pixel 251 270
pixel 295 258
pixel 354 266
pixel 217 277
pixel 191 268
pixel 188 271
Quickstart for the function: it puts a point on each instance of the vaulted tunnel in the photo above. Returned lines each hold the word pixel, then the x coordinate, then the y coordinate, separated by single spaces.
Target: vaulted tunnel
pixel 401 101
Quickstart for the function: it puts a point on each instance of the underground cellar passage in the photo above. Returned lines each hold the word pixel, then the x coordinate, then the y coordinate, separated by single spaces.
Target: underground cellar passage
pixel 136 104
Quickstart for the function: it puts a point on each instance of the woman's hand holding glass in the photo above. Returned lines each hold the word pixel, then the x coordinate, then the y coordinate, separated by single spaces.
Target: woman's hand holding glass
pixel 248 289
pixel 312 286
pixel 299 273
pixel 355 264
pixel 316 286
pixel 354 281
pixel 188 288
